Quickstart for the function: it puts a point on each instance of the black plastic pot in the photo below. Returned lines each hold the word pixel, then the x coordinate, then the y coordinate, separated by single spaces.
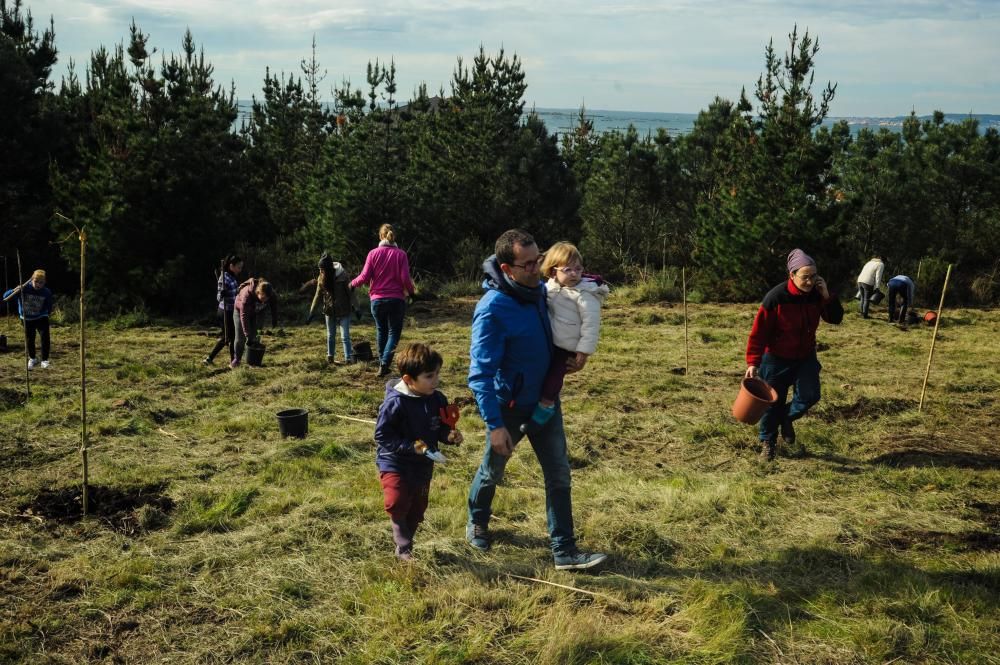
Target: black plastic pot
pixel 293 422
pixel 255 354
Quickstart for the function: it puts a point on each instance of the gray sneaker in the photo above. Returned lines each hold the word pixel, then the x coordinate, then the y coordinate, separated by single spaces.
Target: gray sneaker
pixel 577 560
pixel 478 536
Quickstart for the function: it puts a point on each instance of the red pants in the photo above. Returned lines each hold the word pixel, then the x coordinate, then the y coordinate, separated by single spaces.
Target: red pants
pixel 405 501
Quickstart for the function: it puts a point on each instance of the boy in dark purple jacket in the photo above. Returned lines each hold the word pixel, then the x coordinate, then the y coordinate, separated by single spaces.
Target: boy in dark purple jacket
pixel 408 432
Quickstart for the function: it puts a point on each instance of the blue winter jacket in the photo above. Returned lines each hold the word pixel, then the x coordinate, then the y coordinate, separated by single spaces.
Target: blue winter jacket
pixel 403 418
pixel 33 303
pixel 511 347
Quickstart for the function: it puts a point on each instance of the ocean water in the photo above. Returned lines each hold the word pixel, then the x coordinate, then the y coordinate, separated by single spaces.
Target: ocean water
pixel 559 120
pixel 565 120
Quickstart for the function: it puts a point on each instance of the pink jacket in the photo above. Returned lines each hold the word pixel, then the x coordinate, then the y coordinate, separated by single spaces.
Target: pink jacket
pixel 387 270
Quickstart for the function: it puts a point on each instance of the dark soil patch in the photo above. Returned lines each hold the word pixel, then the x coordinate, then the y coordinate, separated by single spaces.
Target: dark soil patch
pixel 964 541
pixel 989 512
pixel 925 458
pixel 127 511
pixel 464 401
pixel 866 408
pixel 10 398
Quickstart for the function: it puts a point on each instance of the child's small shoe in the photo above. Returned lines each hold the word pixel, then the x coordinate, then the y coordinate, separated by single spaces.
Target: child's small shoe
pixel 540 416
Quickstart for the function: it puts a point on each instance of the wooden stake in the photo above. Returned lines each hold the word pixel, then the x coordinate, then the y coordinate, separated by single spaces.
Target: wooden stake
pixel 684 289
pixel 24 327
pixel 84 448
pixel 930 356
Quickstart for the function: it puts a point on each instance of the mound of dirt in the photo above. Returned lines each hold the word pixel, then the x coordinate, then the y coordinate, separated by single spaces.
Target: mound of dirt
pixel 127 511
pixel 866 408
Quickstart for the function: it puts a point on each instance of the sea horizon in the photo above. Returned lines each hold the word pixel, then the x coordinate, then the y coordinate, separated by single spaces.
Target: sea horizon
pixel 563 120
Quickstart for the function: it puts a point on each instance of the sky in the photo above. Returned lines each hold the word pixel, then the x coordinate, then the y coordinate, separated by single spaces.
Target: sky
pixel 887 57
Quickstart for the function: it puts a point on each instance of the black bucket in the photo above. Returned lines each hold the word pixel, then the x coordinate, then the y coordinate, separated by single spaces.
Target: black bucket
pixel 293 422
pixel 255 354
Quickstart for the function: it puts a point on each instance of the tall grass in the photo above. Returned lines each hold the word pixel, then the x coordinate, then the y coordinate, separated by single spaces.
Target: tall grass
pixel 874 539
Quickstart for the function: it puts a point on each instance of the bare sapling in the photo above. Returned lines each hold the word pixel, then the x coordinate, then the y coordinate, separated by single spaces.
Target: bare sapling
pixel 84 448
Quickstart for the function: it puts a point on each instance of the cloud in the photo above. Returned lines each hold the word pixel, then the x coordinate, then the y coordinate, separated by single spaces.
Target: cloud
pixel 666 55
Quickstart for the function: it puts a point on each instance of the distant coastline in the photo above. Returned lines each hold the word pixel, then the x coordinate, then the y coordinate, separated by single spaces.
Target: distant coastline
pixel 563 120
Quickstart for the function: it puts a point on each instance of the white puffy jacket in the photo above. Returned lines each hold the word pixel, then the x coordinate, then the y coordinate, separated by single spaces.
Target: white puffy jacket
pixel 575 313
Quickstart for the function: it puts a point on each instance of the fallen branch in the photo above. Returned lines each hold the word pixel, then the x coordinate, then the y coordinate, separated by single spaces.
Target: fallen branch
pixel 563 586
pixel 357 420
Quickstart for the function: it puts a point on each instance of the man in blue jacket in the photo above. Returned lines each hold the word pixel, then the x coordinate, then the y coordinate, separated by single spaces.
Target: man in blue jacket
pixel 509 355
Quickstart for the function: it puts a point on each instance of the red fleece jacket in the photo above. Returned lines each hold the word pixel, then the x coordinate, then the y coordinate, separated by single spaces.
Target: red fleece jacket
pixel 786 323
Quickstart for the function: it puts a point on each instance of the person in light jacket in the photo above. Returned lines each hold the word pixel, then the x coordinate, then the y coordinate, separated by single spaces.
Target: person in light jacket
pixel 574 301
pixel 870 281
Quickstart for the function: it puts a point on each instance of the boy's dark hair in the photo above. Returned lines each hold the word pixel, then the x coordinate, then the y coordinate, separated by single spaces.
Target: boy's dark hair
pixel 415 359
pixel 504 249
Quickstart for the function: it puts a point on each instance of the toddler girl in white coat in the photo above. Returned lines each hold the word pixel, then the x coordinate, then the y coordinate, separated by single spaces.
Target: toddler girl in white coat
pixel 574 302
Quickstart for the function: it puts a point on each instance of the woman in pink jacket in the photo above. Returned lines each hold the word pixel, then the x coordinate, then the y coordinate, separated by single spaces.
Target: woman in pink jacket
pixel 387 272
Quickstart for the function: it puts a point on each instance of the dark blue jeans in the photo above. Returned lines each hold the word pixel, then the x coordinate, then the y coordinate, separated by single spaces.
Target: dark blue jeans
pixel 388 314
pixel 866 297
pixel 783 374
pixel 549 445
pixel 898 292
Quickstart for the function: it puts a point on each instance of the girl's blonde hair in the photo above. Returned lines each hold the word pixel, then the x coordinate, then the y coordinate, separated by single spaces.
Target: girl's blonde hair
pixel 386 232
pixel 560 254
pixel 38 274
pixel 264 288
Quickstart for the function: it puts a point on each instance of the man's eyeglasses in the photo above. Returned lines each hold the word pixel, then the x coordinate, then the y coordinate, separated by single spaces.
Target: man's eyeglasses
pixel 572 270
pixel 528 265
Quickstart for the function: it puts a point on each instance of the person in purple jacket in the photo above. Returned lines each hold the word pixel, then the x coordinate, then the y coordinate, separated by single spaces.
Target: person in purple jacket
pixel 408 432
pixel 225 294
pixel 387 272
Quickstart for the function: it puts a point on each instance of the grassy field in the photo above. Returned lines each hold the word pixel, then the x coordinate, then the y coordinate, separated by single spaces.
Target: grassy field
pixel 876 539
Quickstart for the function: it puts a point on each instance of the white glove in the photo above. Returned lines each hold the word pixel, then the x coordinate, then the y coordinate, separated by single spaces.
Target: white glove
pixel 436 456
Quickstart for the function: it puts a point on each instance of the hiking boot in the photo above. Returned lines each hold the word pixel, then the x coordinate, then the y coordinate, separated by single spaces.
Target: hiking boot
pixel 329 360
pixel 768 448
pixel 478 536
pixel 383 370
pixel 787 430
pixel 577 560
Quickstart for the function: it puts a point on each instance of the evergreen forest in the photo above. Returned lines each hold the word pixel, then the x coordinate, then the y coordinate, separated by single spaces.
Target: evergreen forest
pixel 142 146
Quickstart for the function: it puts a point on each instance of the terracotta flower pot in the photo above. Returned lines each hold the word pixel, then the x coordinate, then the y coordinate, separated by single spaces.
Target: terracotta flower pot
pixel 755 397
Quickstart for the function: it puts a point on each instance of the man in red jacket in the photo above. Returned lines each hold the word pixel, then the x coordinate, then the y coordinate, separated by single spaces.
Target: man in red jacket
pixel 782 346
